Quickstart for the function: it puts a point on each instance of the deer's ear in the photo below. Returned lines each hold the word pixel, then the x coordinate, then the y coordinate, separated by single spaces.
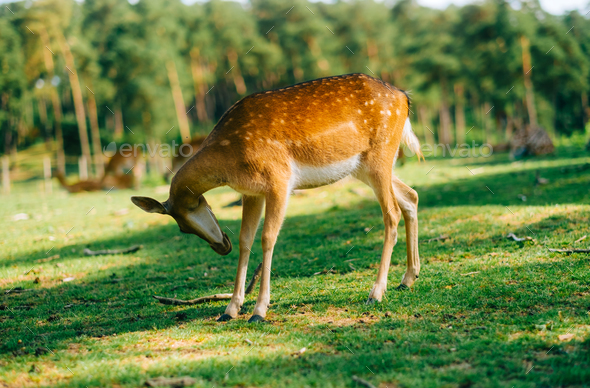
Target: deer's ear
pixel 149 205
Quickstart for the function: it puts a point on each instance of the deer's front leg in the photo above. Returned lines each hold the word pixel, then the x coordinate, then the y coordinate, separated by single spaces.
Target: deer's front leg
pixel 276 205
pixel 251 211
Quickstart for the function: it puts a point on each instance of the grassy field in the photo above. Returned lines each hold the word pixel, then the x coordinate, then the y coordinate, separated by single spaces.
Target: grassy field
pixel 486 311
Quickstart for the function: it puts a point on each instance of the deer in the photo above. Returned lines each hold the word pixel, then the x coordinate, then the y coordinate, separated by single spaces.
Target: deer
pixel 117 175
pixel 182 157
pixel 124 170
pixel 303 136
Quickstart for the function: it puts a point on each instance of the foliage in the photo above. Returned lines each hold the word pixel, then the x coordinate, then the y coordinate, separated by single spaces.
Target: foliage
pixel 122 50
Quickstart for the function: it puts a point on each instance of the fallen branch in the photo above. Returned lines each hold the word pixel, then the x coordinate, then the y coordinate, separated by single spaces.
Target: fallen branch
pixel 469 273
pixel 135 248
pixel 47 259
pixel 442 237
pixel 255 277
pixel 210 298
pixel 17 290
pixel 580 239
pixel 512 236
pixel 174 382
pixel 177 302
pixel 363 382
pixel 568 251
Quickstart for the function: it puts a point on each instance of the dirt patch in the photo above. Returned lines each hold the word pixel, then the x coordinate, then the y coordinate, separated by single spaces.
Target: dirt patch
pixel 341 317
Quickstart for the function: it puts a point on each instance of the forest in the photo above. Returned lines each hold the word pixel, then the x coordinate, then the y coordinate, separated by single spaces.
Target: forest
pixel 78 75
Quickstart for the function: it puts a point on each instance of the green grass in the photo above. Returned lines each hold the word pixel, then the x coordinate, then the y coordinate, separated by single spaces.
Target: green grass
pixel 496 327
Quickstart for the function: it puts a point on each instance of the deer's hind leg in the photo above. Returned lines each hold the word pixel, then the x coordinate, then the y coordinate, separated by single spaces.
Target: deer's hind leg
pixel 408 202
pixel 379 179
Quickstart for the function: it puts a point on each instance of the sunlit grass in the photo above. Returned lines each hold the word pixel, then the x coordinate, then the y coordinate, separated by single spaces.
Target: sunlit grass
pixel 486 311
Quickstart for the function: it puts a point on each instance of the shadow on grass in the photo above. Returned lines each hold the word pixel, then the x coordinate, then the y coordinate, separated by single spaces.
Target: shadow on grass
pixel 118 300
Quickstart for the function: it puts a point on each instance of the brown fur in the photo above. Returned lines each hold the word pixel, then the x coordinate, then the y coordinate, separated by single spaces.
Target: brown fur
pixel 260 139
pixel 179 160
pixel 117 176
pixel 87 185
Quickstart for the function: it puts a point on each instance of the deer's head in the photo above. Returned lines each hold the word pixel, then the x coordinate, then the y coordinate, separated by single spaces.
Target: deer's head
pixel 194 217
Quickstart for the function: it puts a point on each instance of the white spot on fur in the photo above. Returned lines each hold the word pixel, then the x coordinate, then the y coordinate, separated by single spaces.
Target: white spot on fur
pixel 397 112
pixel 388 112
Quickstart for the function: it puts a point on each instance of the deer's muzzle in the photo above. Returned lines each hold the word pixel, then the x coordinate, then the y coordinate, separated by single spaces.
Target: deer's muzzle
pixel 223 248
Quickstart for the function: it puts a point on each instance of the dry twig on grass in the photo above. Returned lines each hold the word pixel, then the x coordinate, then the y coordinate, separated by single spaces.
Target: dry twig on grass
pixel 362 382
pixel 210 298
pixel 135 248
pixel 442 237
pixel 177 302
pixel 54 257
pixel 174 382
pixel 512 236
pixel 569 250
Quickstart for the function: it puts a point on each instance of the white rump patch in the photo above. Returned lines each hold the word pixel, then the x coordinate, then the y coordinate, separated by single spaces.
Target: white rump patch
pixel 306 177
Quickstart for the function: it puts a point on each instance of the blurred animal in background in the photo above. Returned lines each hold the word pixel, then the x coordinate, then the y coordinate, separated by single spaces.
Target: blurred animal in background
pixel 121 172
pixel 183 155
pixel 124 171
pixel 87 185
pixel 529 141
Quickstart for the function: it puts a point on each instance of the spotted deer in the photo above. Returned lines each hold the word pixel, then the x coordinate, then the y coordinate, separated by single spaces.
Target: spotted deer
pixel 299 137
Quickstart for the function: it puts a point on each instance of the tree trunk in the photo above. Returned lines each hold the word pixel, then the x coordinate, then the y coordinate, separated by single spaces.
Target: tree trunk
pixel 8 130
pixel 486 121
pixel 44 122
pixel 498 134
pixel 444 136
pixel 118 122
pixel 95 132
pixel 178 102
pixel 509 127
pixel 528 84
pixel 425 121
pixel 78 100
pixel 47 57
pixel 232 56
pixel 61 155
pixel 585 109
pixel 200 85
pixel 460 113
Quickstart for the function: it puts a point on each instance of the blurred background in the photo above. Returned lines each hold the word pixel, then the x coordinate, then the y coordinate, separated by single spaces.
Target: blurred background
pixel 75 76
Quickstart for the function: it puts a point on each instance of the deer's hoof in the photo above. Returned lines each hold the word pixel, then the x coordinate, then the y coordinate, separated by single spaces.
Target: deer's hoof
pixel 372 301
pixel 224 318
pixel 402 287
pixel 255 318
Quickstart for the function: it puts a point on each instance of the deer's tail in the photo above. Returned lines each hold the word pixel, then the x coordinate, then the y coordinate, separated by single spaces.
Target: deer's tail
pixel 410 140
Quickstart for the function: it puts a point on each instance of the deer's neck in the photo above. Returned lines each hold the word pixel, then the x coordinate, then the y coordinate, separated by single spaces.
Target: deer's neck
pixel 199 175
